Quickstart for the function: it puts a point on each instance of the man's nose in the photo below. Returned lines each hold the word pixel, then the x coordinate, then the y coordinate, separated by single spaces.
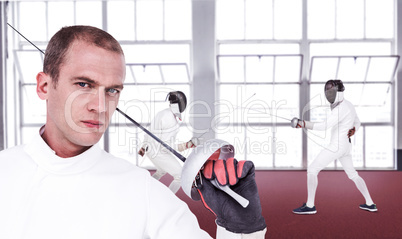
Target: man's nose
pixel 98 101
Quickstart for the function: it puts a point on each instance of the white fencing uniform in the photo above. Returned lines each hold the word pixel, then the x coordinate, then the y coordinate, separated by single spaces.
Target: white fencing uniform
pixel 222 233
pixel 92 195
pixel 342 118
pixel 165 126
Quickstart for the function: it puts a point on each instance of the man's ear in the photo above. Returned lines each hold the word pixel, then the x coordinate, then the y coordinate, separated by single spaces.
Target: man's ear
pixel 42 85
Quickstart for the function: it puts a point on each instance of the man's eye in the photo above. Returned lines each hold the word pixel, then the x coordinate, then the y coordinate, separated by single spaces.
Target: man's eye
pixel 113 91
pixel 83 84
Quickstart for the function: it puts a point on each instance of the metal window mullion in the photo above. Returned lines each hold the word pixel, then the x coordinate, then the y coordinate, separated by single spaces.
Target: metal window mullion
pixel 367 69
pixel 18 37
pixel 337 67
pixel 398 38
pixel 393 107
pixel 188 75
pixel 47 19
pixel 244 70
pixel 304 89
pixel 394 43
pixel 356 82
pixel 355 40
pixel 365 79
pixel 157 83
pixel 135 21
pixel 15 43
pixel 17 23
pixel 21 111
pixel 266 83
pixel 364 19
pixel 258 41
pixel 75 12
pixel 273 72
pixel 154 42
pixel 273 19
pixel 273 145
pixel 106 135
pixel 259 55
pixel 133 75
pixel 104 16
pixel 18 113
pixel 3 76
pixel 163 20
pixel 161 73
pixel 244 20
pixel 336 19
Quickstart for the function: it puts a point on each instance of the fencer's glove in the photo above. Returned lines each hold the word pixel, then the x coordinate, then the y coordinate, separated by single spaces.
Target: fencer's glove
pixel 229 213
pixel 189 144
pixel 297 123
pixel 195 141
pixel 142 151
pixel 351 132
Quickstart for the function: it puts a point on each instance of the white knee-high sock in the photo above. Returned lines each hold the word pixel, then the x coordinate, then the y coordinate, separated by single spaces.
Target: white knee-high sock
pixel 312 183
pixel 157 175
pixel 175 185
pixel 361 185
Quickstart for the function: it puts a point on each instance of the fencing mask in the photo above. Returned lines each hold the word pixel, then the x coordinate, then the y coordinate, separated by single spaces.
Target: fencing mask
pixel 178 102
pixel 178 97
pixel 333 90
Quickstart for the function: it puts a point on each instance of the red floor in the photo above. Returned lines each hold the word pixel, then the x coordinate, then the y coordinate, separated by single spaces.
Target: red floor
pixel 337 201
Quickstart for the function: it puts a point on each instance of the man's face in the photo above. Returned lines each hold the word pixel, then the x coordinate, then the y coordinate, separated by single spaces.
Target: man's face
pixel 80 105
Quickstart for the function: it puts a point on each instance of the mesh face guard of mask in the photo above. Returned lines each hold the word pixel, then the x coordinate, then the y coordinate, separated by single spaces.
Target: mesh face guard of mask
pixel 331 88
pixel 178 97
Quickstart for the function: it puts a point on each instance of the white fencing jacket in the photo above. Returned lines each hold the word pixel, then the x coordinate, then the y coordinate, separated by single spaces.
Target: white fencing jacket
pixel 165 126
pixel 342 118
pixel 92 195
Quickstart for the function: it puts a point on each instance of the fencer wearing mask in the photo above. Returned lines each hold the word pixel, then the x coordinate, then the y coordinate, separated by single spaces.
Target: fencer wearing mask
pixel 166 125
pixel 343 122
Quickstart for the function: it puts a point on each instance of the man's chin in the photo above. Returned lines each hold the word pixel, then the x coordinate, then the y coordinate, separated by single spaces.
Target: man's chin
pixel 88 139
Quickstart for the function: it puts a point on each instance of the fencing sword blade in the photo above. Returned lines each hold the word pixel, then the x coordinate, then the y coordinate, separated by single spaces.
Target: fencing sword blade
pixel 249 98
pixel 25 38
pixel 277 116
pixel 240 107
pixel 178 155
pixel 216 123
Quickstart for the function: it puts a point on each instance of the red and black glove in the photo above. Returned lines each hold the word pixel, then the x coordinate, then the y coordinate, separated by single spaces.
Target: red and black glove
pixel 229 213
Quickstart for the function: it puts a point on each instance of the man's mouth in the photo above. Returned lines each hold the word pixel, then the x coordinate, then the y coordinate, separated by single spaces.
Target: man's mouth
pixel 92 123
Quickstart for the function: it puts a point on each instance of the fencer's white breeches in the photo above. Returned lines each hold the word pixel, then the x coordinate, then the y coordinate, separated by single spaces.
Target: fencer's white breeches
pixel 325 157
pixel 166 162
pixel 222 233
